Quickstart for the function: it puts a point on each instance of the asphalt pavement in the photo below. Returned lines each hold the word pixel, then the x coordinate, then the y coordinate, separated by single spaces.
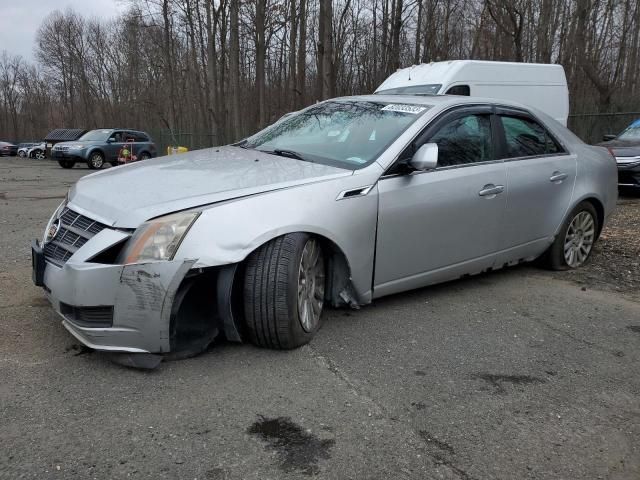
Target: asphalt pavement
pixel 518 374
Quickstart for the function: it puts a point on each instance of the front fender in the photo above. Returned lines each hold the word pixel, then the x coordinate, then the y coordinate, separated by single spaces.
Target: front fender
pixel 228 232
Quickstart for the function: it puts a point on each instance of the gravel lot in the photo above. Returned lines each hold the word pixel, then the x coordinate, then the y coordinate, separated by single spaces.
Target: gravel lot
pixel 519 374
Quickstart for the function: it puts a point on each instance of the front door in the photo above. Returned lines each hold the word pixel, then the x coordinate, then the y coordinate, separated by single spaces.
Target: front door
pixel 438 225
pixel 114 145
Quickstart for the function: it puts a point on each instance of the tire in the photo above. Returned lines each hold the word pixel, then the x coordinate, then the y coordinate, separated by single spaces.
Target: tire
pixel 39 154
pixel 22 154
pixel 96 161
pixel 276 317
pixel 581 229
pixel 144 156
pixel 66 163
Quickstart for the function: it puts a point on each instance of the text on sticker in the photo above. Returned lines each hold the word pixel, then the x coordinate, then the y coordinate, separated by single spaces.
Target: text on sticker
pixel 395 107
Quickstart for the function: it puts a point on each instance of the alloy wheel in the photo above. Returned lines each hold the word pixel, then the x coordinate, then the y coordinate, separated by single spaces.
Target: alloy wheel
pixel 96 160
pixel 311 280
pixel 579 239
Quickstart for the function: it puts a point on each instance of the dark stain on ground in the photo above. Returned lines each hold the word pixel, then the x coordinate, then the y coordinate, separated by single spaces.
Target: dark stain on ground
pixel 420 373
pixel 418 405
pixel 498 381
pixel 298 449
pixel 634 328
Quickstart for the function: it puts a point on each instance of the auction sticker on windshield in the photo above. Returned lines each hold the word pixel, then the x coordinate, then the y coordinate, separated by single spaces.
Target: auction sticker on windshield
pixel 395 107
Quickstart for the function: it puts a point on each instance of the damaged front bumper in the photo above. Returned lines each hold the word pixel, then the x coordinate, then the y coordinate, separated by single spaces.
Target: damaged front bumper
pixel 116 308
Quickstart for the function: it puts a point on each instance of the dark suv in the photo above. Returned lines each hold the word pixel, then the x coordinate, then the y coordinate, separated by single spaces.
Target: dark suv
pixel 105 145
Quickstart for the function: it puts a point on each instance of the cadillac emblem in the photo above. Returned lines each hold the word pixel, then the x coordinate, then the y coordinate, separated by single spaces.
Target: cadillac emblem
pixel 53 230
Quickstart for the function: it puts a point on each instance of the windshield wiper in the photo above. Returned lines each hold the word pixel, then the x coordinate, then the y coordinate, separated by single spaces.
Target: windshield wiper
pixel 287 153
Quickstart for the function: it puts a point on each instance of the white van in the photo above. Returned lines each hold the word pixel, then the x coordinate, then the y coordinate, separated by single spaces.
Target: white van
pixel 542 86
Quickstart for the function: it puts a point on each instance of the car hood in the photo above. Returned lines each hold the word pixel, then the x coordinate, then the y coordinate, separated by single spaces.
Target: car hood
pixel 622 148
pixel 128 195
pixel 84 143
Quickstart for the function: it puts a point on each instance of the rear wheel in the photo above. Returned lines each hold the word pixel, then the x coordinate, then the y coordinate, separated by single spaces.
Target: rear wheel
pixel 144 156
pixel 22 154
pixel 96 161
pixel 66 163
pixel 284 288
pixel 39 154
pixel 574 243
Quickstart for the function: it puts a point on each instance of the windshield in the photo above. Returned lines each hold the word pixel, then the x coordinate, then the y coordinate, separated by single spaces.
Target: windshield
pixel 96 136
pixel 412 90
pixel 631 133
pixel 345 133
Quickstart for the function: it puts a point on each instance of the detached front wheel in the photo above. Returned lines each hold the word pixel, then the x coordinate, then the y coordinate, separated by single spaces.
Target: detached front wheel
pixel 284 289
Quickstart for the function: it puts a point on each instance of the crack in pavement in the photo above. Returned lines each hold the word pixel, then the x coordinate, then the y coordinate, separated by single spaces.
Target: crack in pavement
pixel 438 458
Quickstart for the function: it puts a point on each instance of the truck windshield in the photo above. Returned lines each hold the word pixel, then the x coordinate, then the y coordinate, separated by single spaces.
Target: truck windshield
pixel 412 90
pixel 96 136
pixel 345 133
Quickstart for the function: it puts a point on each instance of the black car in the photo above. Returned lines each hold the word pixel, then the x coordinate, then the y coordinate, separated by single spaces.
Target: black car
pixel 626 148
pixel 105 145
pixel 8 149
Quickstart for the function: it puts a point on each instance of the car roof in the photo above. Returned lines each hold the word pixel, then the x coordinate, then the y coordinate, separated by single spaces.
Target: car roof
pixel 436 100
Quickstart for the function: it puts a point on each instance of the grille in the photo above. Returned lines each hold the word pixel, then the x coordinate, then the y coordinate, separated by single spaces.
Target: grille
pixel 75 230
pixel 91 317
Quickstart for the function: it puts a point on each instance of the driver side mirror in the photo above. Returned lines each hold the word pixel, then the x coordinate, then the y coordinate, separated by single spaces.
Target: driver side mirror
pixel 111 140
pixel 608 138
pixel 425 158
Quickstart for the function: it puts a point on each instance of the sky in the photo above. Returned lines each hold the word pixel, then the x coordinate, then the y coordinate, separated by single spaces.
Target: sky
pixel 20 19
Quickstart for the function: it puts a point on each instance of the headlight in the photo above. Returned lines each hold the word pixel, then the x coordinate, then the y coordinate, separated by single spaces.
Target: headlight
pixel 76 146
pixel 48 232
pixel 158 239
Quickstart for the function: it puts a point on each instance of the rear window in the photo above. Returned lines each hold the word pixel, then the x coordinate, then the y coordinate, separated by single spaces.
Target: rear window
pixel 526 138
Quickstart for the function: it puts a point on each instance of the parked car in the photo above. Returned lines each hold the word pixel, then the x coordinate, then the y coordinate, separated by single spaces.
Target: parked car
pixel 97 147
pixel 38 151
pixel 341 203
pixel 540 85
pixel 23 148
pixel 626 148
pixel 8 149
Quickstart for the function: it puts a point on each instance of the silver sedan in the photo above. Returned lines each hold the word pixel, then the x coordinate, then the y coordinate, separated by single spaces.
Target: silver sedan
pixel 338 204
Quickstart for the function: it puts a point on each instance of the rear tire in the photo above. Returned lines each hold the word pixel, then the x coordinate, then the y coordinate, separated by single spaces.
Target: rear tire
pixel 144 156
pixel 66 163
pixel 284 288
pixel 22 154
pixel 574 243
pixel 96 161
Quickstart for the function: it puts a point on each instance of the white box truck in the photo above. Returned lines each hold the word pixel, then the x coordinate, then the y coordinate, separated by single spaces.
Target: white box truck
pixel 542 86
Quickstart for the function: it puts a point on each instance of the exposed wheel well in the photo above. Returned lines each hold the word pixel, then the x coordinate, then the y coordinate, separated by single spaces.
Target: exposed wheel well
pixel 210 300
pixel 599 211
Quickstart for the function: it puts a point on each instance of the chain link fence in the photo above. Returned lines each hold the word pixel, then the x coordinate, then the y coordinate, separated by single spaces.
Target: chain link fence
pixel 591 127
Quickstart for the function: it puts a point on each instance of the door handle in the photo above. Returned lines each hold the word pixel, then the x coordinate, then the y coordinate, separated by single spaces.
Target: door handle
pixel 491 190
pixel 557 177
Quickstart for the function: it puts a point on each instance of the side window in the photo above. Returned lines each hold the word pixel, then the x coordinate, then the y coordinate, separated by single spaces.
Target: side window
pixel 464 140
pixel 525 138
pixel 463 90
pixel 117 137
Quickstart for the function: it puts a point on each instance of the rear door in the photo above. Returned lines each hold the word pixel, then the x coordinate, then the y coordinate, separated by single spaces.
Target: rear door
pixel 440 224
pixel 541 175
